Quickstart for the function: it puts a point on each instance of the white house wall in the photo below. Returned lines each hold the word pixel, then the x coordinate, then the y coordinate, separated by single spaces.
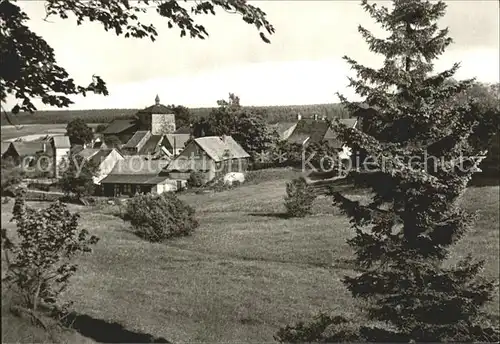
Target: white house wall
pixel 107 166
pixel 59 155
pixel 162 124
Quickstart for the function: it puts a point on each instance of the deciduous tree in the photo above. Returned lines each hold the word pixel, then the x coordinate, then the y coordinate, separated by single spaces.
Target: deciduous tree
pixel 77 178
pixel 79 132
pixel 246 126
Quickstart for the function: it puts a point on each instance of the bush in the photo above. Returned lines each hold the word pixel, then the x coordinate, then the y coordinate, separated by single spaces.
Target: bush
pixel 39 264
pixel 160 217
pixel 299 198
pixel 11 177
pixel 195 179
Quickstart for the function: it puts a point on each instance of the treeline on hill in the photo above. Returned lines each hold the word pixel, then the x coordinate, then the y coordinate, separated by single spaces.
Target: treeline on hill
pixel 272 114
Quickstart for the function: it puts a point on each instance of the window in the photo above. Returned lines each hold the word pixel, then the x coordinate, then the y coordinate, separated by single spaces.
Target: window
pixel 117 190
pixel 127 189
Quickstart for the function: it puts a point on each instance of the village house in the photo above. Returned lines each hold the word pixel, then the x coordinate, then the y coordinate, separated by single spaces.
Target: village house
pixel 123 129
pixel 105 158
pixel 284 129
pixel 159 146
pixel 212 156
pixel 175 143
pixel 57 148
pixel 134 175
pixel 60 147
pixel 23 152
pixel 314 130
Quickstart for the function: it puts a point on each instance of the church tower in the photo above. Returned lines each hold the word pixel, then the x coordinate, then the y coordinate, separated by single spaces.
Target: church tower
pixel 161 118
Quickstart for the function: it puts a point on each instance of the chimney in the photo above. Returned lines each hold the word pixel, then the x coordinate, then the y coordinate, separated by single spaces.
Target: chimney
pixel 315 117
pixel 223 138
pixel 299 117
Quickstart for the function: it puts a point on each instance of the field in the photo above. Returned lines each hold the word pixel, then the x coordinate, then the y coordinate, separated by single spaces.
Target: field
pixel 244 273
pixel 30 131
pixel 273 114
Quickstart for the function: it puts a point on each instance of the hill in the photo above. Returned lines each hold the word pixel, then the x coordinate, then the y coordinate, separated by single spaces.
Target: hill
pixel 272 113
pixel 246 271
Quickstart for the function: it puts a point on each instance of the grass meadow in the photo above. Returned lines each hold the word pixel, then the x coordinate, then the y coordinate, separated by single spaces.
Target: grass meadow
pixel 244 273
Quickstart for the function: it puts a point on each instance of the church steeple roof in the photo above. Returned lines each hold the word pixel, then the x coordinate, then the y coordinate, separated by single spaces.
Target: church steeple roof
pixel 157 108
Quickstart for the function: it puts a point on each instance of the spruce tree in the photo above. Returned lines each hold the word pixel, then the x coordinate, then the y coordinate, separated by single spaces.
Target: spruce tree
pixel 423 150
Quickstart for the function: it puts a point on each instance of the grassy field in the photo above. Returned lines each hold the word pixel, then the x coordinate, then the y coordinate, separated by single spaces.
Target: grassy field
pixel 244 273
pixel 9 131
pixel 272 114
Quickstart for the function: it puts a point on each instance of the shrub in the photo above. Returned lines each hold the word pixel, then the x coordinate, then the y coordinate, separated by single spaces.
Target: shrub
pixel 195 179
pixel 39 265
pixel 160 217
pixel 11 176
pixel 299 198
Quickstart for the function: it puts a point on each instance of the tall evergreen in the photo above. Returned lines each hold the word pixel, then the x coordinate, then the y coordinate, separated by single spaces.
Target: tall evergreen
pixel 424 148
pixel 424 151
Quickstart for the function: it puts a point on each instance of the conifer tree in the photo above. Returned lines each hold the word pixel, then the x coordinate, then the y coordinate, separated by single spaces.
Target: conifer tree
pixel 423 150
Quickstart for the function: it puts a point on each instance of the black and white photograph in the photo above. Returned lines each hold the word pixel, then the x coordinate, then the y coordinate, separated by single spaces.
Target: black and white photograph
pixel 250 171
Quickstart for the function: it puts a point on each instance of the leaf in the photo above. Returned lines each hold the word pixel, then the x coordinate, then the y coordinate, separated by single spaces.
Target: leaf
pixel 264 38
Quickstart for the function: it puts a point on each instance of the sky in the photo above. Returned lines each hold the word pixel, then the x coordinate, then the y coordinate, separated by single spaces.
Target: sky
pixel 302 65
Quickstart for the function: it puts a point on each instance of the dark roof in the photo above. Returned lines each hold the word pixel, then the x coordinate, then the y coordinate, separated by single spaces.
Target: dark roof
pixel 151 145
pixel 282 127
pixel 332 138
pixel 133 179
pixel 137 165
pixel 317 130
pixel 183 130
pixel 307 127
pixel 102 154
pixel 28 148
pixel 179 140
pixel 119 125
pixel 76 149
pixel 136 138
pixel 156 109
pixel 87 153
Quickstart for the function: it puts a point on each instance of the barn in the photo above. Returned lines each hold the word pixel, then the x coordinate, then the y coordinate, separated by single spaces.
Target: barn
pixel 135 174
